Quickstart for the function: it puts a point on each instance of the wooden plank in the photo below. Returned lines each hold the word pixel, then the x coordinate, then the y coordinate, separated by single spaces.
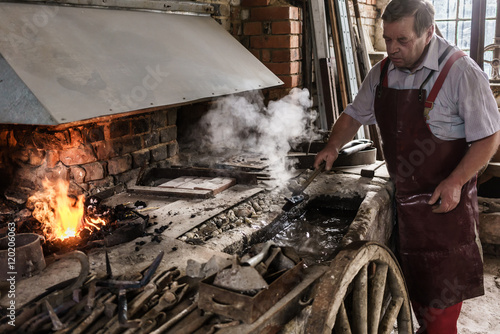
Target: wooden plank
pixel 217 184
pixel 154 174
pixel 193 183
pixel 175 183
pixel 175 192
pixel 338 53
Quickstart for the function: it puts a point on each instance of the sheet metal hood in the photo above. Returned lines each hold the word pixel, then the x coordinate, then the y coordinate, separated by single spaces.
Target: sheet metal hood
pixel 61 64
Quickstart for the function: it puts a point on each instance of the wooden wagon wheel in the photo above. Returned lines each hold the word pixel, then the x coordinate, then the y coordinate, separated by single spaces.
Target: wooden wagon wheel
pixel 363 291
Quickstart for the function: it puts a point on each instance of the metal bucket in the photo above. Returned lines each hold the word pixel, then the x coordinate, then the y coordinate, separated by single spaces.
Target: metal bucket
pixel 21 255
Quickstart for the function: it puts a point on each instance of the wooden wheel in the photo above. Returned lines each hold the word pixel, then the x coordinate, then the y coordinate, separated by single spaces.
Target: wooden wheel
pixel 363 291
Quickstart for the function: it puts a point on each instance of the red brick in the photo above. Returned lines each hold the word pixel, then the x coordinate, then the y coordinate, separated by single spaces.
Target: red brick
pixel 36 157
pixel 266 56
pixel 285 55
pixel 256 53
pixel 119 129
pixel 290 81
pixel 93 171
pixel 117 147
pixel 78 174
pixel 286 27
pixel 274 13
pixel 252 28
pixel 4 135
pixel 76 136
pixel 254 3
pixel 93 133
pixel 119 165
pixel 274 42
pixel 51 158
pixel 284 68
pixel 77 155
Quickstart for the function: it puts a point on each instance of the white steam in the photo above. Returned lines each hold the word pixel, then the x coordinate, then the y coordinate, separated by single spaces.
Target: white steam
pixel 242 124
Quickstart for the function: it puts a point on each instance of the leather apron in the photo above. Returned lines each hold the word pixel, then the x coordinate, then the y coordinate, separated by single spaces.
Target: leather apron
pixel 439 252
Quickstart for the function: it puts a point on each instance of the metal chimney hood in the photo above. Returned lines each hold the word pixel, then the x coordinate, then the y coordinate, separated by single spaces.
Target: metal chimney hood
pixel 62 64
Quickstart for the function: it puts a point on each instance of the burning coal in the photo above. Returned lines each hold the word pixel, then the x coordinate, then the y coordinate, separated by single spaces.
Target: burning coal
pixel 243 124
pixel 61 214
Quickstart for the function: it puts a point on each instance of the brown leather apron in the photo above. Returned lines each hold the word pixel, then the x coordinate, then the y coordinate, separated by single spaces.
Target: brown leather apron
pixel 439 253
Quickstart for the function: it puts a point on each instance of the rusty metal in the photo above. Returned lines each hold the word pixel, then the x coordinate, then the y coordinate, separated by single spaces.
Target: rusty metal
pixel 57 325
pixel 177 318
pixel 120 284
pixel 243 307
pixel 29 258
pixel 244 278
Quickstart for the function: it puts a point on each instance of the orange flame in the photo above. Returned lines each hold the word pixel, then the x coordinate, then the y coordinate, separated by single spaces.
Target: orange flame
pixel 61 214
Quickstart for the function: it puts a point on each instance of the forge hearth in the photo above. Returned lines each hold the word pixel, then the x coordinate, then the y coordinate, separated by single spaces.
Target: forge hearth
pixel 176 221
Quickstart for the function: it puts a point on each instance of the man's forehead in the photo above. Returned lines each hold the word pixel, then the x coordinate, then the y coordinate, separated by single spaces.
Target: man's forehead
pixel 403 27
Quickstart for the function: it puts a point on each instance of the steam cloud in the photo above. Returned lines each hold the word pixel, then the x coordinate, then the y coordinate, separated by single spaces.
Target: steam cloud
pixel 240 124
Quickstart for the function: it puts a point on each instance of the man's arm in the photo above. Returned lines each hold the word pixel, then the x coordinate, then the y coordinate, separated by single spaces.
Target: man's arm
pixel 343 131
pixel 477 156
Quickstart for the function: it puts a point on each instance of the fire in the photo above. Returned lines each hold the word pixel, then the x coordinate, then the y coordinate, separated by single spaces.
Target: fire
pixel 62 215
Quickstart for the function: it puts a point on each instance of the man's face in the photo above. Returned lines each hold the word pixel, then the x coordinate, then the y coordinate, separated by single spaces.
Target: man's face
pixel 404 48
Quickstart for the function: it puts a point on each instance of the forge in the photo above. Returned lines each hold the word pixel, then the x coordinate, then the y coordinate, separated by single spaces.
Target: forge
pixel 192 234
pixel 115 222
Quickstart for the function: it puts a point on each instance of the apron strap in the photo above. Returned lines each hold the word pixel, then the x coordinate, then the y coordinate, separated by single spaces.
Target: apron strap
pixel 440 60
pixel 429 103
pixel 384 65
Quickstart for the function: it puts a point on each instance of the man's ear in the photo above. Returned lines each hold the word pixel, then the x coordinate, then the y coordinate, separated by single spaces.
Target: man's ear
pixel 430 33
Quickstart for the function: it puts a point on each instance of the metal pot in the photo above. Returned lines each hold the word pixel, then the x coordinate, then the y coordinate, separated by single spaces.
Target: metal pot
pixel 21 255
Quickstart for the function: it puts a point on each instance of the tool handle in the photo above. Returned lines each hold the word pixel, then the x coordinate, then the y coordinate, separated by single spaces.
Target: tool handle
pixel 307 182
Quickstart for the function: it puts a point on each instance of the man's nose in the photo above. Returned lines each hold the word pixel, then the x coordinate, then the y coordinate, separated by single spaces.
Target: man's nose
pixel 392 49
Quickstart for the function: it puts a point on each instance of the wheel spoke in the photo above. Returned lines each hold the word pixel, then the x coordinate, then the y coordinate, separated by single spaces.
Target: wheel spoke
pixel 397 286
pixel 376 297
pixel 360 302
pixel 342 325
pixel 387 323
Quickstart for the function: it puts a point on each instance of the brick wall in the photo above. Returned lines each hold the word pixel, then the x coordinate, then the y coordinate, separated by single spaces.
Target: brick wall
pixel 93 156
pixel 273 33
pixel 369 16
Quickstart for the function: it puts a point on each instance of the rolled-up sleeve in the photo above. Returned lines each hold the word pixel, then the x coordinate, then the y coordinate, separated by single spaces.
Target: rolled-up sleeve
pixel 361 109
pixel 477 105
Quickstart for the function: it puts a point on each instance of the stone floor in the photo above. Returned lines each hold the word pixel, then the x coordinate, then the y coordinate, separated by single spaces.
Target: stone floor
pixel 482 315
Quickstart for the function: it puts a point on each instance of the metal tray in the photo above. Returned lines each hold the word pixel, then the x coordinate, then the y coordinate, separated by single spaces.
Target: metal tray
pixel 246 308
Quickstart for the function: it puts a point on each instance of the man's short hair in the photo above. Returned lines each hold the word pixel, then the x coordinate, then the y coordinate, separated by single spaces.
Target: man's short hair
pixel 422 10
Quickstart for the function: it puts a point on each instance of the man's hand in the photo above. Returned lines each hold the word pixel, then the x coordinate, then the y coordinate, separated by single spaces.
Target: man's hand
pixel 328 155
pixel 446 196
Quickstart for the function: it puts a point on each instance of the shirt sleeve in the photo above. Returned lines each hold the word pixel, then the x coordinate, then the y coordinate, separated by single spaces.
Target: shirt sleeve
pixel 476 104
pixel 362 108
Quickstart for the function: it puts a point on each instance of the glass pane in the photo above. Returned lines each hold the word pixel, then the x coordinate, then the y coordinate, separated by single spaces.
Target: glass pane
pixel 465 9
pixel 447 29
pixel 491 8
pixel 445 9
pixel 464 34
pixel 489 33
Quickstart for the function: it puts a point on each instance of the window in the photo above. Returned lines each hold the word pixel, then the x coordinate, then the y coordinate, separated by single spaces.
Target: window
pixel 453 18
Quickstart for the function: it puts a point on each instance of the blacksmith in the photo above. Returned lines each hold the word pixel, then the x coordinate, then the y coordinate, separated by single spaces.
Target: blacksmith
pixel 439 124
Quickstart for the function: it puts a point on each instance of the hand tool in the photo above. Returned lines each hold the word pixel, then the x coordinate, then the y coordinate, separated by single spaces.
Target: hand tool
pixel 370 172
pixel 298 194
